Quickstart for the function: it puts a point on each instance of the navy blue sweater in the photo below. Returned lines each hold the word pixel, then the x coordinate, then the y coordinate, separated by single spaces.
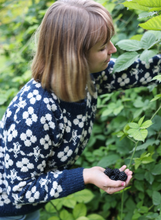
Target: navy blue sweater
pixel 41 137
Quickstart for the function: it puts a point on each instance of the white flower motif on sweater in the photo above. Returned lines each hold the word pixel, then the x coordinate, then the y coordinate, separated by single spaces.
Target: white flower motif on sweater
pixel 28 138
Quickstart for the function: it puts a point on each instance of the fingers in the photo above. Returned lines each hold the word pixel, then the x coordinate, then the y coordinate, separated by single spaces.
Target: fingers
pixel 111 190
pixel 115 184
pixel 123 168
pixel 128 173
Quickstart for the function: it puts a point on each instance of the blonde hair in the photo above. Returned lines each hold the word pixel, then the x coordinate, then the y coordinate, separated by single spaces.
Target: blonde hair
pixel 67 32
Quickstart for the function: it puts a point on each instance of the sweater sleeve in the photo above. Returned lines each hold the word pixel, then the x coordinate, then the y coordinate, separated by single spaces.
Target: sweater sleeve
pixel 138 74
pixel 32 133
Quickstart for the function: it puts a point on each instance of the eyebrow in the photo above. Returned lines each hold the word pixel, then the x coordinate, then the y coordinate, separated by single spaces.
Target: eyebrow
pixel 103 44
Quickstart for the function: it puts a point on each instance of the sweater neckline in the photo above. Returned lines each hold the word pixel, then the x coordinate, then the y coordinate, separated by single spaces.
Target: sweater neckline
pixel 74 107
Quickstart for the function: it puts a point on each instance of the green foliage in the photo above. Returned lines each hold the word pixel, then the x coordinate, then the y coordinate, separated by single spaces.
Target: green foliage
pixel 143 49
pixel 72 207
pixel 150 7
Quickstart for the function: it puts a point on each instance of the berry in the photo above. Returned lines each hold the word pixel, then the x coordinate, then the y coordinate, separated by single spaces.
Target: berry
pixel 122 176
pixel 113 177
pixel 116 172
pixel 108 171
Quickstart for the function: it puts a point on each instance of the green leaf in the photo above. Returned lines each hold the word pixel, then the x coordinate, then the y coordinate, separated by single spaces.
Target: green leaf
pixel 82 218
pixel 134 5
pixel 138 135
pixel 136 37
pixel 79 210
pixel 3 99
pixel 69 202
pixel 149 177
pixel 58 203
pixel 152 215
pixel 146 14
pixel 152 24
pixel 146 124
pixel 133 125
pixel 84 196
pixel 65 215
pixel 125 60
pixel 157 78
pixel 95 217
pixel 49 208
pixel 143 209
pixel 137 162
pixel 156 170
pixel 148 143
pixel 108 160
pixel 155 9
pixel 147 54
pixel 120 134
pixel 106 112
pixel 149 3
pixel 148 40
pixel 139 185
pixel 118 110
pixel 129 45
pixel 156 198
pixel 144 159
pixel 141 121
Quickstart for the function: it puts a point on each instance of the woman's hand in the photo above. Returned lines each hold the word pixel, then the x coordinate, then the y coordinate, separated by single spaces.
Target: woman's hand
pixel 96 176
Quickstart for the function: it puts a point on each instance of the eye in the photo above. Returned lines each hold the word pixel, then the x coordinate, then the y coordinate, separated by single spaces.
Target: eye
pixel 104 47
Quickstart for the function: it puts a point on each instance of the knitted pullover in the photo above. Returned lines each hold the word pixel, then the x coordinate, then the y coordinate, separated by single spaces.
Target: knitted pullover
pixel 41 137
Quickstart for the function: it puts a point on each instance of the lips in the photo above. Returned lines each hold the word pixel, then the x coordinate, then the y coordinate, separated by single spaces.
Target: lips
pixel 107 61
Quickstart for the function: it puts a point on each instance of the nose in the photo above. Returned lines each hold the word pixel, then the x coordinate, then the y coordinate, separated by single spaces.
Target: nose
pixel 112 48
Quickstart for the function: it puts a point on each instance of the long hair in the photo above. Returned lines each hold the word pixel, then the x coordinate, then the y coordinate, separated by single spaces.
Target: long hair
pixel 67 32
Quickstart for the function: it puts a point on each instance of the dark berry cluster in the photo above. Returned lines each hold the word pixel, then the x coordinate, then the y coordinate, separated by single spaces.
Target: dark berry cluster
pixel 115 174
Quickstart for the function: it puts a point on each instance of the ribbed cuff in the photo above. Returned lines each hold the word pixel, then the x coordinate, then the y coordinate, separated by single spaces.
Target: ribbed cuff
pixel 72 181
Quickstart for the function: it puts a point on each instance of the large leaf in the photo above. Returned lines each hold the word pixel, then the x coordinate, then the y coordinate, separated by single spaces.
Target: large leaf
pixel 79 210
pixel 146 124
pixel 82 218
pixel 125 60
pixel 156 170
pixel 133 125
pixel 108 160
pixel 146 14
pixel 69 202
pixel 148 143
pixel 134 5
pixel 129 45
pixel 157 78
pixel 149 177
pixel 152 24
pixel 84 196
pixel 149 3
pixel 65 215
pixel 138 135
pixel 95 217
pixel 156 197
pixel 147 54
pixel 148 40
pixel 155 9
